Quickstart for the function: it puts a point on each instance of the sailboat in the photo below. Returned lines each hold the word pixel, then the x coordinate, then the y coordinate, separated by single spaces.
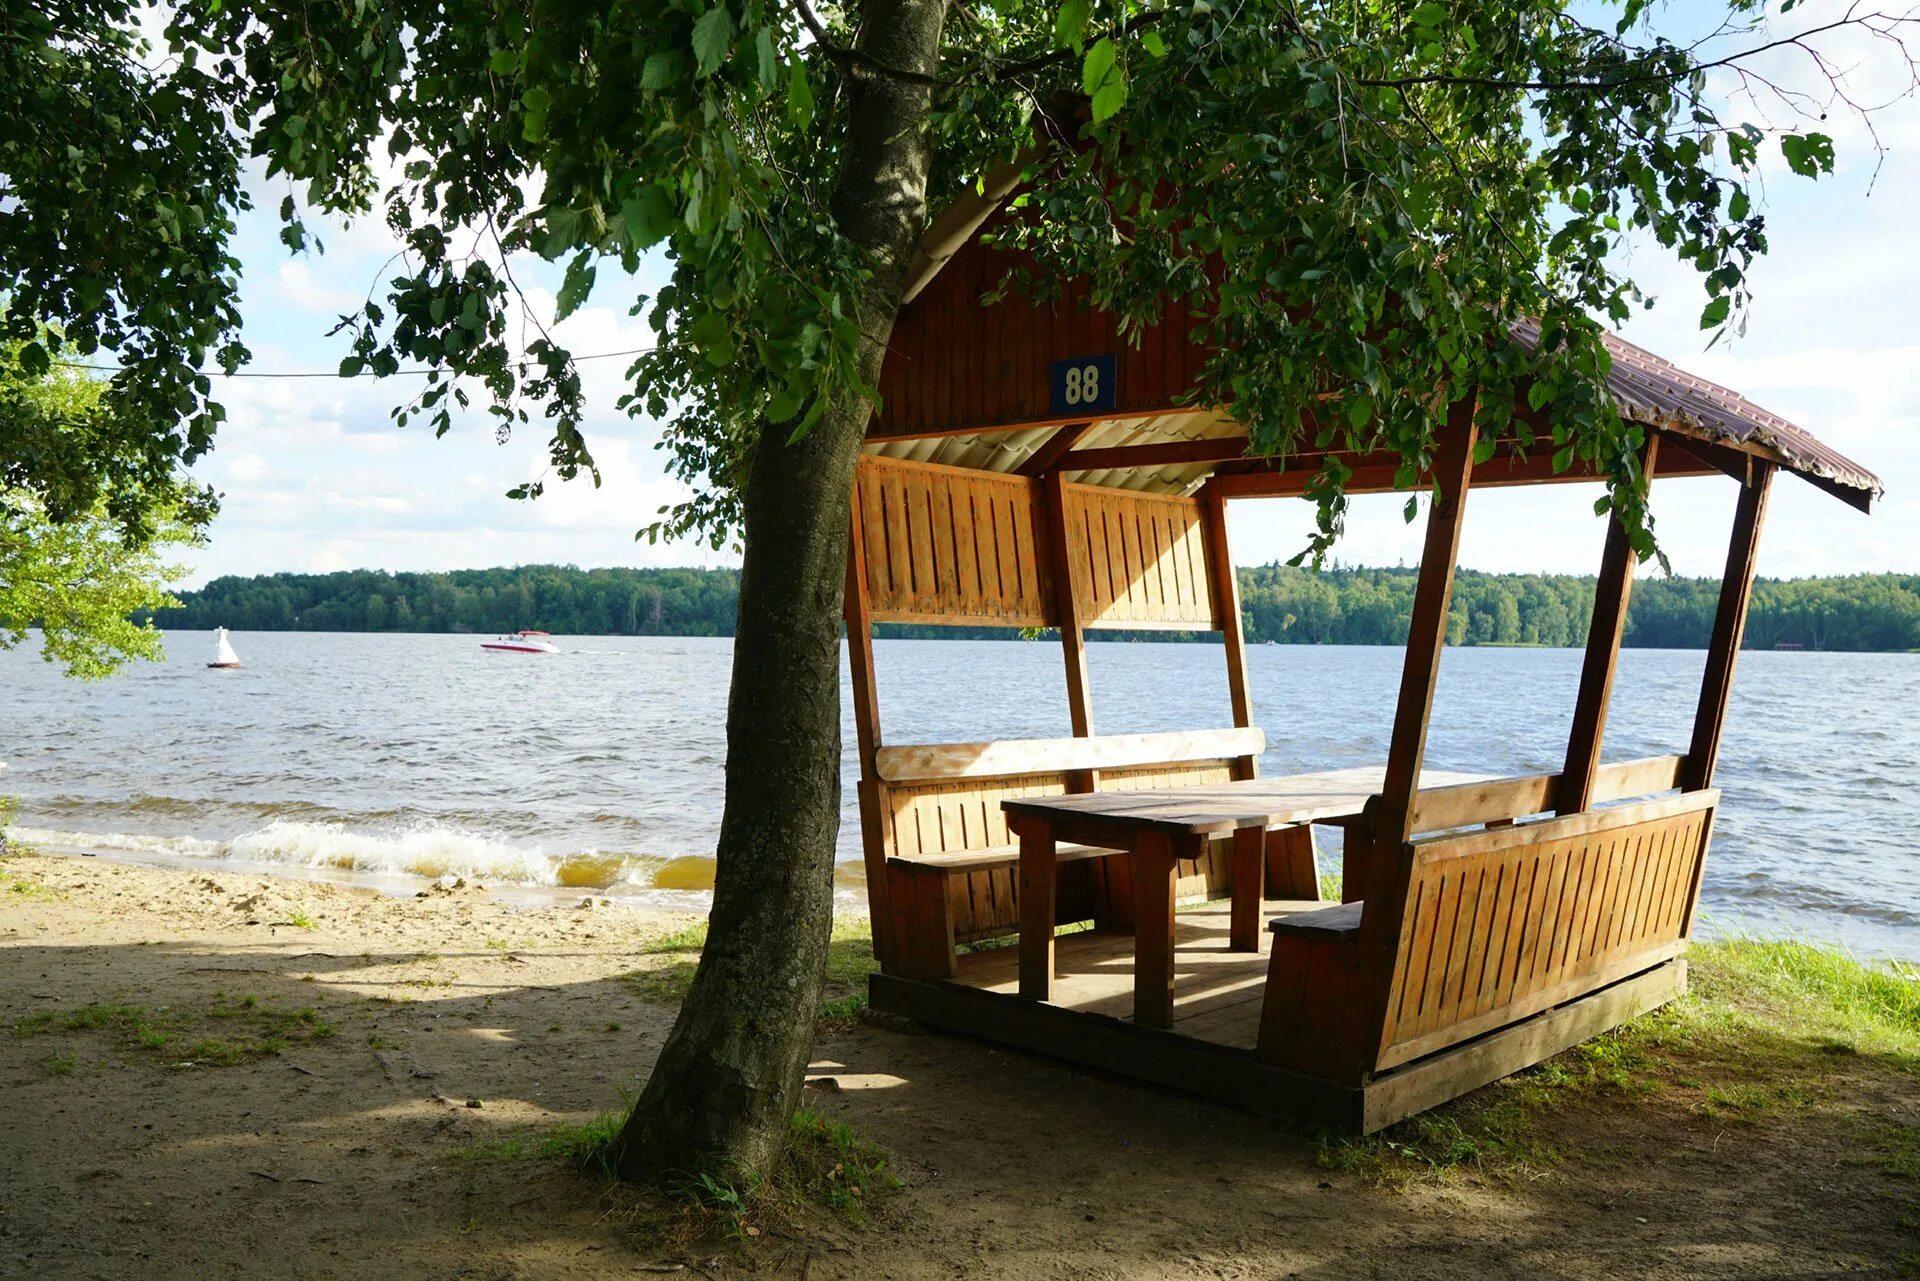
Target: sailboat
pixel 223 652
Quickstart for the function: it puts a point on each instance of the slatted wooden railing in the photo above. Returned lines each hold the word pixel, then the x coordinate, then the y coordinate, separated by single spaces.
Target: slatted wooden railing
pixel 1502 924
pixel 951 545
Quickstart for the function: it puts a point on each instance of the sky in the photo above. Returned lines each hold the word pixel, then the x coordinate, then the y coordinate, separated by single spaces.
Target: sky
pixel 315 477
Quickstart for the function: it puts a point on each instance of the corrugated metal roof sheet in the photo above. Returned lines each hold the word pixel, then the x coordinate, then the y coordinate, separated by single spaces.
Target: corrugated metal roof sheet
pixel 1653 390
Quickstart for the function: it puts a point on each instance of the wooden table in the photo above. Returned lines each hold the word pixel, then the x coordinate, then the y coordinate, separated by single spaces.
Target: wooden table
pixel 1157 829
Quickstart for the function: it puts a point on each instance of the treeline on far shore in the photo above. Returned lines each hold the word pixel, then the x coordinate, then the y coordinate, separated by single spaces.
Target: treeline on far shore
pixel 1342 605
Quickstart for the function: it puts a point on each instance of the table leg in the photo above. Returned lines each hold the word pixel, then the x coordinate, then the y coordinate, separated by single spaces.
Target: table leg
pixel 1037 885
pixel 1249 887
pixel 1153 878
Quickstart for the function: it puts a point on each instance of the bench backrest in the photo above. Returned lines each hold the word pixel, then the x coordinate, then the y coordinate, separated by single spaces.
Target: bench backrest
pixel 1503 923
pixel 944 798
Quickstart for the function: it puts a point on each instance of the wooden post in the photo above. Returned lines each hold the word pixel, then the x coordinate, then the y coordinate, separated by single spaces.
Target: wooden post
pixel 1073 639
pixel 1155 867
pixel 1729 626
pixel 1249 888
pixel 1611 592
pixel 1038 878
pixel 1427 633
pixel 1225 585
pixel 1387 873
pixel 856 610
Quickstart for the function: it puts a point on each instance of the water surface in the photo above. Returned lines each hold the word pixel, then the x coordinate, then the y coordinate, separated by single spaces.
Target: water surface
pixel 390 758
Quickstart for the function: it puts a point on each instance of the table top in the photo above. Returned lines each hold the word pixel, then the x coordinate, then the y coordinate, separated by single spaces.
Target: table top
pixel 1223 807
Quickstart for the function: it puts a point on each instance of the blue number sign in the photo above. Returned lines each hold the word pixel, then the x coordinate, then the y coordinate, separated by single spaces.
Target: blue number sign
pixel 1083 384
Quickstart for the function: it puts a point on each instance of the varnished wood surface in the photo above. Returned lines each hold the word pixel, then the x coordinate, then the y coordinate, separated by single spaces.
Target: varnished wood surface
pixel 1222 807
pixel 1216 990
pixel 914 762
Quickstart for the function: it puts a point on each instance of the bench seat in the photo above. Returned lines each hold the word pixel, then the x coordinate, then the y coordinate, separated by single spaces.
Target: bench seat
pixel 1336 923
pixel 993 856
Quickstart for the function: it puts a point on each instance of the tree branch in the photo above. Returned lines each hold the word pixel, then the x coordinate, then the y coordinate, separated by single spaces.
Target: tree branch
pixel 848 59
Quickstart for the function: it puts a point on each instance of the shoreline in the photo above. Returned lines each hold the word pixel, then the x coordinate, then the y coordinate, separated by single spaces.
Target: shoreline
pixel 209 1074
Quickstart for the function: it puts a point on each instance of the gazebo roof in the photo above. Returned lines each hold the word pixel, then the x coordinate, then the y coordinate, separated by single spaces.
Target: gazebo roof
pixel 1649 390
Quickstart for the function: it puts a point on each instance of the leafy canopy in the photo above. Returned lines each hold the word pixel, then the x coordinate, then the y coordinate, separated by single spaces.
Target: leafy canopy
pixel 1359 199
pixel 68 563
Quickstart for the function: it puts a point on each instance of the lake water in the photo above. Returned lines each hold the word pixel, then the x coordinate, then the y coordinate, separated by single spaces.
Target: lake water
pixel 385 759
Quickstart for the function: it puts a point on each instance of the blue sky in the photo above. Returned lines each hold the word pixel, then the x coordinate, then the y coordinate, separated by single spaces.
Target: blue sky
pixel 316 477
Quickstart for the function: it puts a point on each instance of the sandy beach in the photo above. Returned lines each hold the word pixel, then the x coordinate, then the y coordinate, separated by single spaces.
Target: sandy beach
pixel 235 1076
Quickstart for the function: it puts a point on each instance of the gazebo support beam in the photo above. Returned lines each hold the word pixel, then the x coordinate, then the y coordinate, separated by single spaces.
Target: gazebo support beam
pixel 857 612
pixel 1729 627
pixel 1611 593
pixel 1384 872
pixel 1073 634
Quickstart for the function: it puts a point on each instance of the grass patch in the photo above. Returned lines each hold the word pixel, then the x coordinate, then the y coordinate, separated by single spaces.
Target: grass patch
pixel 1767 1028
pixel 264 1030
pixel 826 1165
pixel 23 888
pixel 298 918
pixel 59 1064
pixel 667 980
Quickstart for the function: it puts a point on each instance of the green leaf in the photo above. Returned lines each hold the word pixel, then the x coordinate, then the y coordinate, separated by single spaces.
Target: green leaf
pixel 1715 312
pixel 1359 411
pixel 575 287
pixel 1071 22
pixel 1808 154
pixel 769 62
pixel 1483 450
pixel 1411 510
pixel 712 38
pixel 503 62
pixel 799 94
pixel 648 217
pixel 1428 15
pixel 711 336
pixel 1153 44
pixel 1738 206
pixel 1562 459
pixel 662 69
pixel 351 367
pixel 1099 64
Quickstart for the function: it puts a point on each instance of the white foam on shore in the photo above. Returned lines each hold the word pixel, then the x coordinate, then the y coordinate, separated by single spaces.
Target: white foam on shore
pixel 424 850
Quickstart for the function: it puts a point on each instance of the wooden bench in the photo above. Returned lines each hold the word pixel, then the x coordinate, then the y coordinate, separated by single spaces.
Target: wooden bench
pixel 1510 941
pixel 951 860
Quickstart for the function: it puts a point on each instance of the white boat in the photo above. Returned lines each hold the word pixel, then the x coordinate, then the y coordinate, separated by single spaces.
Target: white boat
pixel 522 643
pixel 223 655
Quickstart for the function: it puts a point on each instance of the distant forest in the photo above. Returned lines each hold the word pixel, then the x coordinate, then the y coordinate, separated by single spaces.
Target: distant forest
pixel 1336 606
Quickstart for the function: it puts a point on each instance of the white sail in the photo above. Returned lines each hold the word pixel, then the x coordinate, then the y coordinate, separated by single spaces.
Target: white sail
pixel 226 654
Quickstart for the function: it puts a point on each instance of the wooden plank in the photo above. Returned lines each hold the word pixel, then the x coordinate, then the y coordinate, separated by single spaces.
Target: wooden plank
pixel 1009 758
pixel 1066 608
pixel 1037 888
pixel 1495 800
pixel 1053 449
pixel 1224 587
pixel 1153 899
pixel 1396 1095
pixel 1729 626
pixel 1573 825
pixel 1292 871
pixel 1107 1043
pixel 866 723
pixel 1612 590
pixel 1249 887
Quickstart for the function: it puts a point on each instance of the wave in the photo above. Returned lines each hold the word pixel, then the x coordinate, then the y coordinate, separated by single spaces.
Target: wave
pixel 425 850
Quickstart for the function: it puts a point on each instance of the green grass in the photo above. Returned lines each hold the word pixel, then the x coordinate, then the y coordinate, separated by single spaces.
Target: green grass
pixel 263 1031
pixel 59 1064
pixel 667 980
pixel 20 887
pixel 1767 1029
pixel 298 917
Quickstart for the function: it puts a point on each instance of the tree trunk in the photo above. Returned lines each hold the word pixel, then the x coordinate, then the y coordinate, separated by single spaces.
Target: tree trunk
pixel 726 1083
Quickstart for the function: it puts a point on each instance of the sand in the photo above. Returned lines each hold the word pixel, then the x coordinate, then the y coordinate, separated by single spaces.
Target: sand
pixel 459 1024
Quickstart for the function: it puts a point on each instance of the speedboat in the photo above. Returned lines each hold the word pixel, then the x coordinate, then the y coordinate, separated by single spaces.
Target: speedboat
pixel 522 643
pixel 223 655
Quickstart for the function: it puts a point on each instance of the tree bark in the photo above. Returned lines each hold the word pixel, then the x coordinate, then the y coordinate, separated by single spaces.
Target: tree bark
pixel 721 1096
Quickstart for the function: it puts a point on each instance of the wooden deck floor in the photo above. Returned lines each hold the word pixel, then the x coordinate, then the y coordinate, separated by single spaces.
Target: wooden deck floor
pixel 1216 992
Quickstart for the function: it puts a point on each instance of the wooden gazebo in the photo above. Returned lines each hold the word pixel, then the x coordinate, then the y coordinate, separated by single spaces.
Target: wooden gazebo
pixel 1032 469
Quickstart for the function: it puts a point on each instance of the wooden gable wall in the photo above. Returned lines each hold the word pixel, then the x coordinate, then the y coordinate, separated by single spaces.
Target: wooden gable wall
pixel 957 364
